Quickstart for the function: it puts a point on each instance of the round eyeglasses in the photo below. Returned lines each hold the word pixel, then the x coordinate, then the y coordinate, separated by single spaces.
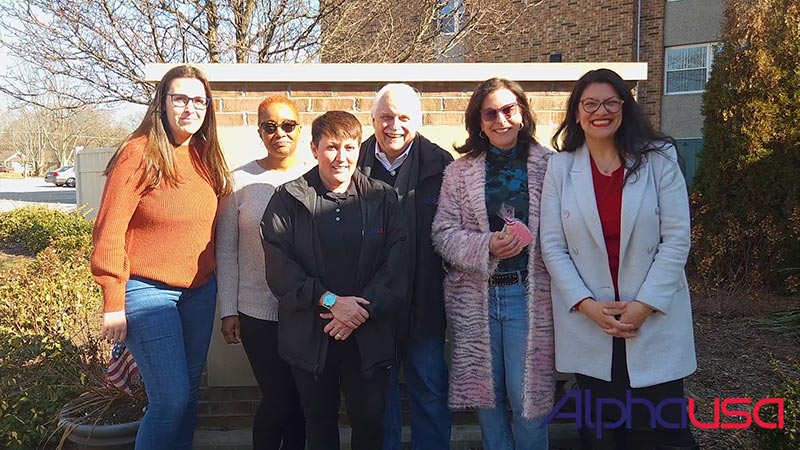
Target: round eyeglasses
pixel 612 105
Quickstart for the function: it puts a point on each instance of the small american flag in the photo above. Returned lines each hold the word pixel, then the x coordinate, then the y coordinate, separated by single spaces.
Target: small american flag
pixel 121 368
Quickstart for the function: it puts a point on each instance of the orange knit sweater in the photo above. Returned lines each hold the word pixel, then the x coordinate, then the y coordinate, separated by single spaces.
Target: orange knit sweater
pixel 164 234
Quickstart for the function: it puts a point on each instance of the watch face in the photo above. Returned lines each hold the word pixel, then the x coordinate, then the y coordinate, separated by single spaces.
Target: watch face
pixel 328 300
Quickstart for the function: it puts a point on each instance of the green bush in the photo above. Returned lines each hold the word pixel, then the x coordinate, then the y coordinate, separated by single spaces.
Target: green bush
pixel 747 195
pixel 49 350
pixel 787 438
pixel 34 228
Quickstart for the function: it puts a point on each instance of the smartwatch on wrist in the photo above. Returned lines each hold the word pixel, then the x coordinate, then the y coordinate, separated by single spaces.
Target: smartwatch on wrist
pixel 328 300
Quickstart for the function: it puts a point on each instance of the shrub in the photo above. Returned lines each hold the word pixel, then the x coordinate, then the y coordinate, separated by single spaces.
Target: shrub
pixel 787 438
pixel 34 228
pixel 746 178
pixel 49 350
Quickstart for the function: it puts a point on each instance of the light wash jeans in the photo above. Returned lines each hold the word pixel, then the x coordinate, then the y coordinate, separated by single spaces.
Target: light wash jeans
pixel 169 330
pixel 508 332
pixel 423 365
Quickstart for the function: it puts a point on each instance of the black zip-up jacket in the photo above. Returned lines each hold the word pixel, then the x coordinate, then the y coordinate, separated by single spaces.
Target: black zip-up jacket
pixel 296 272
pixel 419 196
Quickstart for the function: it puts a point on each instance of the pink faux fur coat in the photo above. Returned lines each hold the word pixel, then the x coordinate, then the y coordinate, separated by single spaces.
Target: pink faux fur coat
pixel 461 234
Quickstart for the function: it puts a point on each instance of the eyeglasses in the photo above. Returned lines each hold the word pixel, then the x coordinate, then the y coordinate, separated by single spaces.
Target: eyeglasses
pixel 270 126
pixel 490 114
pixel 181 100
pixel 612 105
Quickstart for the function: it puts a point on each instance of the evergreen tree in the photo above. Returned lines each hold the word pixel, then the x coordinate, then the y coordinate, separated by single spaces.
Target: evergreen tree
pixel 748 177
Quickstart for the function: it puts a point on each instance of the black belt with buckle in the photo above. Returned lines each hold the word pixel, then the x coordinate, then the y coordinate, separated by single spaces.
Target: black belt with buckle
pixel 509 278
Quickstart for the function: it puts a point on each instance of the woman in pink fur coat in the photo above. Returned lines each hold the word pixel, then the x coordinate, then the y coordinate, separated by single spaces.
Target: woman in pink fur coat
pixel 497 290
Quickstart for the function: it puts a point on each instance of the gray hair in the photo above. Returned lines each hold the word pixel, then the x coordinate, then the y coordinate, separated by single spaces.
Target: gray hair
pixel 400 90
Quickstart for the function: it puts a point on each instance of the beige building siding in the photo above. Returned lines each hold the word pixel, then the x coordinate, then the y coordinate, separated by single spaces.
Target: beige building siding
pixel 687 22
pixel 692 21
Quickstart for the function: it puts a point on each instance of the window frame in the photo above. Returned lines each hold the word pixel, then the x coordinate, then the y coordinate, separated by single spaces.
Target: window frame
pixel 711 50
pixel 456 8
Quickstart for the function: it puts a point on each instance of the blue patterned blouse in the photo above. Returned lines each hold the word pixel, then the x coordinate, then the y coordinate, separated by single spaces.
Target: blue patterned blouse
pixel 507 182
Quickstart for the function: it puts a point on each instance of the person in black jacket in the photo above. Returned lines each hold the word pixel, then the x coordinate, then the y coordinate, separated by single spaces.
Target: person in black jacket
pixel 337 247
pixel 398 155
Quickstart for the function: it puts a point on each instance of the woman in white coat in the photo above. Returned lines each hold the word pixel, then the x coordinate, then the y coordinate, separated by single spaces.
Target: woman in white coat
pixel 615 236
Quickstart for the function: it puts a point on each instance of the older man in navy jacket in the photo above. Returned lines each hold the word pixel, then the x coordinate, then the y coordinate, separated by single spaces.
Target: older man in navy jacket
pixel 399 156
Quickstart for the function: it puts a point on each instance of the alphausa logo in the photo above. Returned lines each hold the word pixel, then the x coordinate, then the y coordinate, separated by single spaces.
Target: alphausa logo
pixel 589 410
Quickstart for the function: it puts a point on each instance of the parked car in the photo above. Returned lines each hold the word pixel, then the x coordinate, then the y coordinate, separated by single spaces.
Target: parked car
pixel 63 176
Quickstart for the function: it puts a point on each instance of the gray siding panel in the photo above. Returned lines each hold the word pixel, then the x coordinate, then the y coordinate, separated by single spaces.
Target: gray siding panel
pixel 692 21
pixel 681 115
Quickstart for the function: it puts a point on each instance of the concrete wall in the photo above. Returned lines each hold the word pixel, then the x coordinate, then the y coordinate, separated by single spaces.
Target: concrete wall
pixel 682 117
pixel 688 22
pixel 692 22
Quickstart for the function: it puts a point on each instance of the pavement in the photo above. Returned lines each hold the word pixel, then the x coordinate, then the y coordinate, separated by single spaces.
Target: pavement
pixel 21 192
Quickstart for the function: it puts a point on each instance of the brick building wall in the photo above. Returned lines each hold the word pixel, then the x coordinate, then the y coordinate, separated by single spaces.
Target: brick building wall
pixel 652 52
pixel 581 31
pixel 443 103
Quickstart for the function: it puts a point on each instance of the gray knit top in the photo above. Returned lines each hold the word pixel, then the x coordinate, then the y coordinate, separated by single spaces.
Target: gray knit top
pixel 241 273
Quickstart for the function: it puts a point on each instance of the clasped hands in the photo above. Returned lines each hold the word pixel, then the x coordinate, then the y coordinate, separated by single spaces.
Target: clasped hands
pixel 631 316
pixel 346 315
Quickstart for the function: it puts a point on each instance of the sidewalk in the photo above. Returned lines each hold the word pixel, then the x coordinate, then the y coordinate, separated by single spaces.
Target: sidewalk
pixel 8 205
pixel 563 436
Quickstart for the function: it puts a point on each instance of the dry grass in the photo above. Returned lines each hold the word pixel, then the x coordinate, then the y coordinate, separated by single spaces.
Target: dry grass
pixel 9 262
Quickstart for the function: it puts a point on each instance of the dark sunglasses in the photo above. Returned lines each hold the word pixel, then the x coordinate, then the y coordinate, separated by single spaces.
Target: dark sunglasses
pixel 490 114
pixel 270 127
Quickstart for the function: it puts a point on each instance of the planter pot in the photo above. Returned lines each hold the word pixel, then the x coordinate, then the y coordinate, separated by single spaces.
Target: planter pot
pixel 101 436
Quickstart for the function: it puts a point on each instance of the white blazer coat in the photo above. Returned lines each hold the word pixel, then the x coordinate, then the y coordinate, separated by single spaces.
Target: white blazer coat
pixel 654 246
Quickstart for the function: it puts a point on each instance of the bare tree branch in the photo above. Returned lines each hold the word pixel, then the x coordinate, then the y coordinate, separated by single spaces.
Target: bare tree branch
pixel 102 46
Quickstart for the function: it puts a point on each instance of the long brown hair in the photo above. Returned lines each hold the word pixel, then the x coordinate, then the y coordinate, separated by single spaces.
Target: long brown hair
pixel 475 144
pixel 159 151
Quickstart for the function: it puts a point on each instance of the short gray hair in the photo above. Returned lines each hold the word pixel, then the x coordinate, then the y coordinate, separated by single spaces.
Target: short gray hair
pixel 400 90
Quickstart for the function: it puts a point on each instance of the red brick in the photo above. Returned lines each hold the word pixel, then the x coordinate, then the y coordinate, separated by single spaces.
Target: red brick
pixel 230 120
pixel 443 118
pixel 330 104
pixel 548 103
pixel 431 104
pixel 364 104
pixel 241 104
pixel 455 103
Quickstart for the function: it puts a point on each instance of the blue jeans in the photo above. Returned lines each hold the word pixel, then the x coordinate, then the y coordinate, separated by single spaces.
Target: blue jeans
pixel 426 379
pixel 508 332
pixel 169 330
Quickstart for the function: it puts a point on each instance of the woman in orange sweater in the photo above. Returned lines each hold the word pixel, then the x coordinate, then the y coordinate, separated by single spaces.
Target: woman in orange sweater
pixel 154 251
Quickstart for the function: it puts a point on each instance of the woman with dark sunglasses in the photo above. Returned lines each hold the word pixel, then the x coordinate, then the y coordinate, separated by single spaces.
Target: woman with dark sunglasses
pixel 496 289
pixel 248 308
pixel 615 237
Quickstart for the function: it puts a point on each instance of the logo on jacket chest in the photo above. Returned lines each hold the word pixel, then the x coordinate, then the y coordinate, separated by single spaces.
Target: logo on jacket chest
pixel 376 230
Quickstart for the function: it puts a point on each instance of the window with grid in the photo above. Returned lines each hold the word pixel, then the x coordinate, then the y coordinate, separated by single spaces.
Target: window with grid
pixel 688 68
